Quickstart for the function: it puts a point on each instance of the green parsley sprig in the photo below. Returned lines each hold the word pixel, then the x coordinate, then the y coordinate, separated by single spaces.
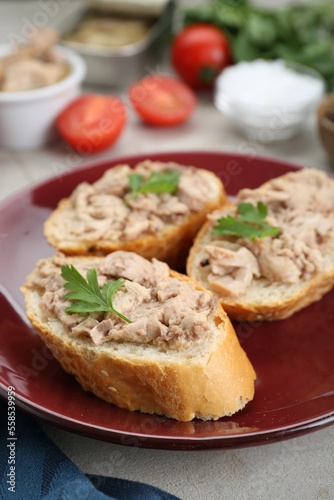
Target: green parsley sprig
pixel 250 222
pixel 157 182
pixel 86 294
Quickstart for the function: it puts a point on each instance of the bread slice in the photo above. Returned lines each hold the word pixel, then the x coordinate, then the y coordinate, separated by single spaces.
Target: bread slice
pixel 207 377
pixel 269 299
pixel 168 237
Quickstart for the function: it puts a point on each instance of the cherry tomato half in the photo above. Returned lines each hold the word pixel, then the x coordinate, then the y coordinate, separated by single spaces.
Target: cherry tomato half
pixel 162 101
pixel 199 53
pixel 92 122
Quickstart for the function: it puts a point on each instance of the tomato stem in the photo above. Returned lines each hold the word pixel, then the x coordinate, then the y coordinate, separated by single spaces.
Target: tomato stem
pixel 207 74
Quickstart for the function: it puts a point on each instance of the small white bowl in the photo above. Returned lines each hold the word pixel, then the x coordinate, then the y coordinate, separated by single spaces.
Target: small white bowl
pixel 27 118
pixel 265 108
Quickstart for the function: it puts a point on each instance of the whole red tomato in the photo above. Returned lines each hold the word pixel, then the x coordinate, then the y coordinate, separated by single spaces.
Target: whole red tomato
pixel 199 53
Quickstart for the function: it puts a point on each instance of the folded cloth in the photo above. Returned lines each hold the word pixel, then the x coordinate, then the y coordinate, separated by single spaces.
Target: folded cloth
pixel 33 467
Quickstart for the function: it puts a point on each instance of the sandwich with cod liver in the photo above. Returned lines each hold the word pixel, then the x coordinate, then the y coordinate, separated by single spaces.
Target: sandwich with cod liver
pixel 140 335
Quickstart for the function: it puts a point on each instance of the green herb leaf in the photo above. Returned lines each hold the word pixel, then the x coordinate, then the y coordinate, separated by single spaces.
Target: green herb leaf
pixel 261 30
pixel 86 294
pixel 250 222
pixel 158 182
pixel 249 213
pixel 135 181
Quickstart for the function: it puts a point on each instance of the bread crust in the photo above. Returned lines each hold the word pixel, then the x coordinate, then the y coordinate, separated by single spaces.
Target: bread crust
pixel 170 245
pixel 217 382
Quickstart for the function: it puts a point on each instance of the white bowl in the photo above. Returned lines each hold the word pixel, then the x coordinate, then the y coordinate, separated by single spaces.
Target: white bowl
pixel 27 118
pixel 267 110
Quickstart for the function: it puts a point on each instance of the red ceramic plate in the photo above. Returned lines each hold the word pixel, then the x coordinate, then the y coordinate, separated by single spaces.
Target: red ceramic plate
pixel 293 359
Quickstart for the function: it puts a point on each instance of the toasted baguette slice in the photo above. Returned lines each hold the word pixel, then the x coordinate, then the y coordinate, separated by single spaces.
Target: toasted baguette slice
pixel 269 299
pixel 207 378
pixel 167 237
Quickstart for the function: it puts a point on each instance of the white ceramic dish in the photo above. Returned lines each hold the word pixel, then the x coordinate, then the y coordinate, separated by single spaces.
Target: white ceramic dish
pixel 27 118
pixel 268 109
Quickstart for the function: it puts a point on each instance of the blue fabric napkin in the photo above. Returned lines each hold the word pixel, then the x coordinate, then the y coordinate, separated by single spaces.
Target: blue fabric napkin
pixel 40 470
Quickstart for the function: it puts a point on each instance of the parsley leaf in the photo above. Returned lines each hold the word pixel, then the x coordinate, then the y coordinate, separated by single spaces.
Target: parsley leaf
pixel 250 222
pixel 158 182
pixel 135 181
pixel 86 294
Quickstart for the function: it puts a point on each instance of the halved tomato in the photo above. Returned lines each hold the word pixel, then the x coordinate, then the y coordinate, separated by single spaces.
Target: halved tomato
pixel 162 101
pixel 92 122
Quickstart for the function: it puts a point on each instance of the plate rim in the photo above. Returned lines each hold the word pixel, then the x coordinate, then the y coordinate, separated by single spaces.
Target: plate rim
pixel 172 442
pixel 101 162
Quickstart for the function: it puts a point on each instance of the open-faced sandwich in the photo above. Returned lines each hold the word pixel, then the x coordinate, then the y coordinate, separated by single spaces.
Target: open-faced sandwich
pixel 140 335
pixel 271 252
pixel 155 210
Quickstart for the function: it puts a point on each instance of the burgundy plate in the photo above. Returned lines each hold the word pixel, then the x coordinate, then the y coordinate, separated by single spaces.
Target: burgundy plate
pixel 293 359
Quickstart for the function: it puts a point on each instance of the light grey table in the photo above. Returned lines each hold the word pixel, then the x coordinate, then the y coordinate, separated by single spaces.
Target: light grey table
pixel 300 468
